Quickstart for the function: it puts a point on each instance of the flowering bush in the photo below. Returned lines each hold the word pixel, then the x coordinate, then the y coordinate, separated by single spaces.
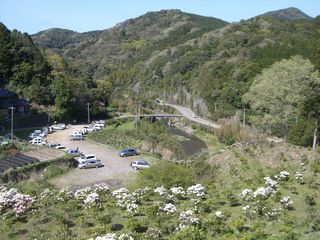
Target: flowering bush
pixel 299 178
pixel 287 203
pixel 197 190
pixel 92 200
pixel 17 202
pixel 283 175
pixel 139 194
pixel 246 194
pixel 187 217
pixel 271 183
pixel 168 208
pixel 120 193
pixel 160 190
pixel 81 194
pixel 264 192
pixel 153 233
pixel 219 214
pixel 114 236
pixel 178 191
pixel 272 214
pixel 64 195
pixel 101 188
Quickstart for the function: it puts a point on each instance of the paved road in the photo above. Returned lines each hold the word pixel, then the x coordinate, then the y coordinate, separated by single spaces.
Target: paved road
pixel 186 112
pixel 116 170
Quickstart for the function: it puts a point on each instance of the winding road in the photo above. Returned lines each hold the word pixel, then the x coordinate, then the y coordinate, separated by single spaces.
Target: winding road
pixel 186 112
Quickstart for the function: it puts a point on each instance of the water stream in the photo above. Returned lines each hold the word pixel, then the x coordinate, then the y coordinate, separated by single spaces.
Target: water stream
pixel 190 144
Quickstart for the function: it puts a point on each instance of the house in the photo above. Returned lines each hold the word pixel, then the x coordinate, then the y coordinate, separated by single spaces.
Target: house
pixel 11 99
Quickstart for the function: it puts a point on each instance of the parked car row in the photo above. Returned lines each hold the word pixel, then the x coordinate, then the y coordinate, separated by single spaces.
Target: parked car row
pixel 95 126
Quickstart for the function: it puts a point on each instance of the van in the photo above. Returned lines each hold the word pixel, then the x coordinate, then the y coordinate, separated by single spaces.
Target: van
pixel 74 137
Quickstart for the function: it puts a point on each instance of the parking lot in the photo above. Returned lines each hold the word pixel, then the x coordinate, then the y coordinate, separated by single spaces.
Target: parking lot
pixel 115 171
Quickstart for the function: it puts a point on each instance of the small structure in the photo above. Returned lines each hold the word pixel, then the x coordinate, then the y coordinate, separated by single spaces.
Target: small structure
pixel 11 99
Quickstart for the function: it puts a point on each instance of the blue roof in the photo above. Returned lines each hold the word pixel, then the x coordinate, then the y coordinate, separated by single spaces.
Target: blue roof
pixel 4 93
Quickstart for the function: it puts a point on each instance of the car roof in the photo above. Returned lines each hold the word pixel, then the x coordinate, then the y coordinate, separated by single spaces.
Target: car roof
pixel 89 155
pixel 141 161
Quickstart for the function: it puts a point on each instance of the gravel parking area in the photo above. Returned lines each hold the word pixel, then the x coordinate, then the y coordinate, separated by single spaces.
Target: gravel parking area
pixel 115 170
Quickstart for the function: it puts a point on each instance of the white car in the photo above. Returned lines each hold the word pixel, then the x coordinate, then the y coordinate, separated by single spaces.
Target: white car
pixel 194 115
pixel 38 141
pixel 60 126
pixel 74 137
pixel 63 148
pixel 86 157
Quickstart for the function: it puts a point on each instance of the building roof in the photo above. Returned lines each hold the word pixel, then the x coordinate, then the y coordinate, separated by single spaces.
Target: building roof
pixel 4 93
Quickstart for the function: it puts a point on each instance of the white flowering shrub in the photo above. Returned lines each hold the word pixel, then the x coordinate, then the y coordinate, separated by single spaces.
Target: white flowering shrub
pixel 120 193
pixel 153 233
pixel 219 214
pixel 92 200
pixel 101 188
pixel 246 194
pixel 47 193
pixel 196 190
pixel 160 190
pixel 287 203
pixel 271 183
pixel 187 217
pixel 64 195
pixel 81 194
pixel 178 192
pixel 114 236
pixel 168 208
pixel 132 207
pixel 299 177
pixel 263 192
pixel 139 194
pixel 272 214
pixel 13 200
pixel 283 176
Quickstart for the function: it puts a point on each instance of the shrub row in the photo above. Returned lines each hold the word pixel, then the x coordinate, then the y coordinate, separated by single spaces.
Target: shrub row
pixel 22 173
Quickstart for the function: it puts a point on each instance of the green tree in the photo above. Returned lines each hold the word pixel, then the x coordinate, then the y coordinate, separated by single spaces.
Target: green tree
pixel 279 92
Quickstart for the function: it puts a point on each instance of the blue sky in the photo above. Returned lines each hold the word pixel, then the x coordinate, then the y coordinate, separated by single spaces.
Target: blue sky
pixel 85 15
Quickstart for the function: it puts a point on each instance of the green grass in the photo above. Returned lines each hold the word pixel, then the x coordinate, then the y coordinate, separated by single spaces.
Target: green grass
pixel 127 126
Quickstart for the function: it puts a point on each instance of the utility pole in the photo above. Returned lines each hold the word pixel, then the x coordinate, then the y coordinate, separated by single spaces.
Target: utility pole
pixel 49 114
pixel 11 108
pixel 244 118
pixel 88 104
pixel 314 145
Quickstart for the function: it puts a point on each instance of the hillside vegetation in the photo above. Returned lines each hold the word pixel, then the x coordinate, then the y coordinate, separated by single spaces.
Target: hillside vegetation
pixel 245 191
pixel 182 58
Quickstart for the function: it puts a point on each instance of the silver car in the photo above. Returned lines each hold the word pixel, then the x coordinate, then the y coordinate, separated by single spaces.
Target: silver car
pixel 140 164
pixel 90 164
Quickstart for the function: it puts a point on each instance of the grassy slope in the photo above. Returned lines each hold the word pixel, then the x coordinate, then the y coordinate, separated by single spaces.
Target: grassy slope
pixel 235 168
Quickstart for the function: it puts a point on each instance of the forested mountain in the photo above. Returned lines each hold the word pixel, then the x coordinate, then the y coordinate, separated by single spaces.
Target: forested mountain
pixel 183 58
pixel 100 52
pixel 288 14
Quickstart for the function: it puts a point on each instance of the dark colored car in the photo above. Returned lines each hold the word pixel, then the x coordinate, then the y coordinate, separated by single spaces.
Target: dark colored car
pixel 53 145
pixel 128 152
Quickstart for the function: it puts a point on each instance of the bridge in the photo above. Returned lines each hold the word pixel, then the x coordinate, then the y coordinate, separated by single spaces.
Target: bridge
pixel 160 115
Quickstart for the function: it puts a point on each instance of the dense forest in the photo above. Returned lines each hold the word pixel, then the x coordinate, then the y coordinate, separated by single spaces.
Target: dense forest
pixel 214 67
